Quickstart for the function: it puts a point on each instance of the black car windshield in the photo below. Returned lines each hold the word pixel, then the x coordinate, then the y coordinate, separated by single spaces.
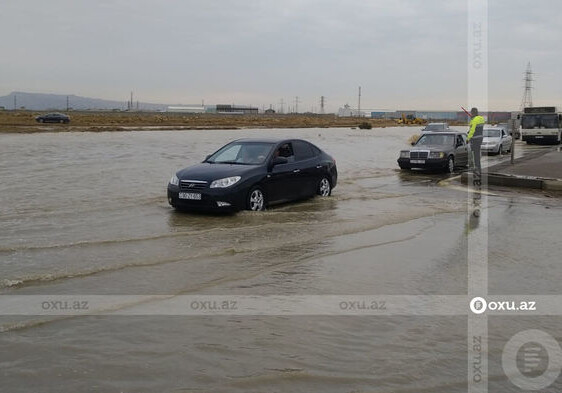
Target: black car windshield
pixel 436 139
pixel 491 133
pixel 539 121
pixel 243 153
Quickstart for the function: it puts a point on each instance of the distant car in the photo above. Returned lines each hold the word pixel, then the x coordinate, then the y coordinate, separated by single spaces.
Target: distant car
pixel 436 127
pixel 53 118
pixel 437 150
pixel 508 127
pixel 253 174
pixel 496 140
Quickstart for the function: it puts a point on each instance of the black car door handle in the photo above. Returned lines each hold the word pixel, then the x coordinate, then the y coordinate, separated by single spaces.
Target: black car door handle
pixel 296 171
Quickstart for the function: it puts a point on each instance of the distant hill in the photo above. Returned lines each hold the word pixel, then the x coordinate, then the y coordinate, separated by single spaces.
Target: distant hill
pixel 45 102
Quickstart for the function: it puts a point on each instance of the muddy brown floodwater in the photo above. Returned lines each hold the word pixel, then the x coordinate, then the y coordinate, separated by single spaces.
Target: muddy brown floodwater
pixel 84 214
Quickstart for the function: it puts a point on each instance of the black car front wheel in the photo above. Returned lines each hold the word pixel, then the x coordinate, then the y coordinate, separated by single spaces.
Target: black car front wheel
pixel 324 187
pixel 256 200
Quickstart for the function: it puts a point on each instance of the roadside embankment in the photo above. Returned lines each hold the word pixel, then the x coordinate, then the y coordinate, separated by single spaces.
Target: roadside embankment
pixel 24 121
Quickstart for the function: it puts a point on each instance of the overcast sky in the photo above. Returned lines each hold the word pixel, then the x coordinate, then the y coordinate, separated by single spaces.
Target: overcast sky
pixel 404 53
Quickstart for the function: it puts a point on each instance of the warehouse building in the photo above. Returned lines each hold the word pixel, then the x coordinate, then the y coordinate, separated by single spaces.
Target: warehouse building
pixel 236 109
pixel 436 115
pixel 491 117
pixel 186 109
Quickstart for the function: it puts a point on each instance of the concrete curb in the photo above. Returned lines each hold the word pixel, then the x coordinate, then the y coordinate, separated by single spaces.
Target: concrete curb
pixel 552 185
pixel 500 179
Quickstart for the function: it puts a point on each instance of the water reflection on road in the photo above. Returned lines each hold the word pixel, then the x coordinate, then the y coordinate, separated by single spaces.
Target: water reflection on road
pixel 87 214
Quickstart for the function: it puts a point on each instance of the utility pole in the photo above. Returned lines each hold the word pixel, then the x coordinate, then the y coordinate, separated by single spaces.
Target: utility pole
pixel 322 104
pixel 527 100
pixel 359 103
pixel 67 104
pixel 282 106
pixel 297 104
pixel 15 102
pixel 512 147
pixel 131 102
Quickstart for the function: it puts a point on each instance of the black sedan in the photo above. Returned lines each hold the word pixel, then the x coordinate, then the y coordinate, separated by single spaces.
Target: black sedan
pixel 53 118
pixel 253 174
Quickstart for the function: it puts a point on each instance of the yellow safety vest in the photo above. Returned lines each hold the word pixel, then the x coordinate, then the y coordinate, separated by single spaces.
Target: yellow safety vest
pixel 475 121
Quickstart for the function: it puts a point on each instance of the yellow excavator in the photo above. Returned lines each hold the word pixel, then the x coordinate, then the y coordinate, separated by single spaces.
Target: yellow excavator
pixel 410 119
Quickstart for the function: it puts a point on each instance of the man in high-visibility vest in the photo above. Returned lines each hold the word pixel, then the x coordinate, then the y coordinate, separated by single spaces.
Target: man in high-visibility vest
pixel 475 136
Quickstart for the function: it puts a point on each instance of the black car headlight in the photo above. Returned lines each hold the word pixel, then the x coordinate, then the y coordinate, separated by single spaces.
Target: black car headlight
pixel 174 180
pixel 405 154
pixel 226 182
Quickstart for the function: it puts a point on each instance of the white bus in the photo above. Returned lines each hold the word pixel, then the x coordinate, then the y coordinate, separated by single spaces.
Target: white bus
pixel 541 125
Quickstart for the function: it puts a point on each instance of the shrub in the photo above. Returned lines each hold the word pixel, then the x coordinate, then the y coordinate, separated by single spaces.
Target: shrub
pixel 365 125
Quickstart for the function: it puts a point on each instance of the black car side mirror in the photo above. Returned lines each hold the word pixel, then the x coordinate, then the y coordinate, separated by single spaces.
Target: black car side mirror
pixel 279 161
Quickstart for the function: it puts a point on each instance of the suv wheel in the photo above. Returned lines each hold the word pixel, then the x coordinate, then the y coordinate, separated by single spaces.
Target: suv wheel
pixel 450 164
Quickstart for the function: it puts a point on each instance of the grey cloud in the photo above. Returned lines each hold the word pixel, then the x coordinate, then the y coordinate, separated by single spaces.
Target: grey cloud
pixel 405 54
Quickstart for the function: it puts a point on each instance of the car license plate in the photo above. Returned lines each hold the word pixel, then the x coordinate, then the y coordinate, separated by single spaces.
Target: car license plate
pixel 190 195
pixel 417 161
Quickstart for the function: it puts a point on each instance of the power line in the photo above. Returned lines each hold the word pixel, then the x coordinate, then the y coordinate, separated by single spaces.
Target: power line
pixel 527 100
pixel 282 106
pixel 359 103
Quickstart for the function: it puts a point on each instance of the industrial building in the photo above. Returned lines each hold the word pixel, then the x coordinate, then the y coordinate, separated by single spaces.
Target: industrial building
pixel 221 108
pixel 186 109
pixel 236 109
pixel 491 117
pixel 348 111
pixel 436 115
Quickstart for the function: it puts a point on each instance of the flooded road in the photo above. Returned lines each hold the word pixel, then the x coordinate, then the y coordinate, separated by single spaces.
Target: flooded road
pixel 86 214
